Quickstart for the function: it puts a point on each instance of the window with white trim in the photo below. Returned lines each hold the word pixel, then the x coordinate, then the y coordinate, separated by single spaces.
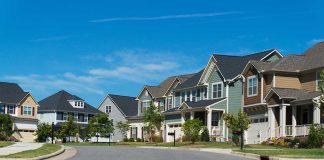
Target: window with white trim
pixel 198 94
pixel 217 90
pixel 188 96
pixel 215 118
pixel 146 105
pixel 65 116
pixel 205 93
pixel 27 110
pixel 252 86
pixel 319 81
pixel 85 118
pixel 183 96
pixel 108 109
pixel 169 102
pixel 161 104
pixel 75 116
pixel 193 95
pixel 11 109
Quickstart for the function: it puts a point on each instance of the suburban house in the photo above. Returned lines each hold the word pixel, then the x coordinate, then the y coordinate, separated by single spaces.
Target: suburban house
pixel 57 107
pixel 279 96
pixel 22 108
pixel 160 95
pixel 213 91
pixel 121 109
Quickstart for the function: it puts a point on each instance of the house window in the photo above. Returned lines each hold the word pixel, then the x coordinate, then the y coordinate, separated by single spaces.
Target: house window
pixel 252 86
pixel 108 109
pixel 146 105
pixel 80 117
pixel 112 121
pixel 27 110
pixel 217 90
pixel 11 109
pixel 204 91
pixel 188 96
pixel 59 116
pixel 1 108
pixel 169 102
pixel 193 96
pixel 161 104
pixel 133 132
pixel 319 81
pixel 85 118
pixel 183 95
pixel 65 116
pixel 75 116
pixel 215 118
pixel 198 94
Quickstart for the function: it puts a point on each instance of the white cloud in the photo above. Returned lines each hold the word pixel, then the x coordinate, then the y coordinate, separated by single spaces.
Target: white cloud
pixel 179 16
pixel 314 41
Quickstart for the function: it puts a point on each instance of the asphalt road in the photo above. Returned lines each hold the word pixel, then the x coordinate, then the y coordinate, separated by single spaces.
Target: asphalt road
pixel 131 153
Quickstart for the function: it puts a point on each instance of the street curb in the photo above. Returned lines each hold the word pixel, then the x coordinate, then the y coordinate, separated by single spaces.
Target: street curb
pixel 256 156
pixel 50 155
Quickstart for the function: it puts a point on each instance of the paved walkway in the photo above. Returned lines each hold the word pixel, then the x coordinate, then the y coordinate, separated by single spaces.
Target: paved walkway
pixel 19 147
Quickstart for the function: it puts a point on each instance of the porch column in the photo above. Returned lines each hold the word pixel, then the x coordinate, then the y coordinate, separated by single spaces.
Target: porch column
pixel 282 120
pixel 182 117
pixel 192 114
pixel 316 115
pixel 294 121
pixel 271 121
pixel 209 117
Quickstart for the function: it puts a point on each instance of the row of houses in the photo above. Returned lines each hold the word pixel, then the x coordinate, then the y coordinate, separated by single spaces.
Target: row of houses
pixel 277 92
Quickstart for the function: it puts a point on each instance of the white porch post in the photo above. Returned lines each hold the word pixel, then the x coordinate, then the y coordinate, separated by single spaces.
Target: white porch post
pixel 282 120
pixel 271 121
pixel 192 114
pixel 316 115
pixel 182 117
pixel 209 117
pixel 294 121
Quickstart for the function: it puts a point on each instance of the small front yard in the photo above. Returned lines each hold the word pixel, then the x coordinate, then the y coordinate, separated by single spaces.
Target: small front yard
pixel 291 153
pixel 44 150
pixel 6 143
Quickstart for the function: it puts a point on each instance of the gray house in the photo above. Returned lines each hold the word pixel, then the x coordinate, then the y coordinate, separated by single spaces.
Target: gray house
pixel 120 108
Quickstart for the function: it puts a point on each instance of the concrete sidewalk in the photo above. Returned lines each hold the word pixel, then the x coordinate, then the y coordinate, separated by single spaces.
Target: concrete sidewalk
pixel 19 147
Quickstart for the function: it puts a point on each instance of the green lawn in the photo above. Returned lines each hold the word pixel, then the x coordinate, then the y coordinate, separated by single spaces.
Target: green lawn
pixel 291 153
pixel 44 150
pixel 6 143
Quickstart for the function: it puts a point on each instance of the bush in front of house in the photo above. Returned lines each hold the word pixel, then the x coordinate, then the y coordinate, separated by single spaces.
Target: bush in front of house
pixel 139 140
pixel 5 127
pixel 125 139
pixel 131 140
pixel 236 139
pixel 191 128
pixel 204 137
pixel 44 130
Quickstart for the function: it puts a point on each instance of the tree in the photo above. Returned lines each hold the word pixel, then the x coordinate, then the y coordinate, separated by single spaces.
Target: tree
pixel 101 126
pixel 123 128
pixel 316 136
pixel 205 135
pixel 153 120
pixel 44 130
pixel 69 128
pixel 191 128
pixel 237 124
pixel 85 133
pixel 5 127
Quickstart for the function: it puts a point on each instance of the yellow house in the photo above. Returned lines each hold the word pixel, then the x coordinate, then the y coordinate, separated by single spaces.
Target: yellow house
pixel 22 108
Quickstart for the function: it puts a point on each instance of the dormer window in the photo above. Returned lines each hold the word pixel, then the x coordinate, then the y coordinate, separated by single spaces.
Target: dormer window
pixel 77 103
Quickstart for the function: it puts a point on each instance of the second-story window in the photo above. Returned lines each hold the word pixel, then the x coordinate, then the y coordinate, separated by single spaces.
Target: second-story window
pixel 11 109
pixel 27 110
pixel 319 81
pixel 198 94
pixel 193 96
pixel 145 105
pixel 217 90
pixel 108 109
pixel 65 116
pixel 183 96
pixel 204 90
pixel 161 104
pixel 252 86
pixel 188 96
pixel 169 102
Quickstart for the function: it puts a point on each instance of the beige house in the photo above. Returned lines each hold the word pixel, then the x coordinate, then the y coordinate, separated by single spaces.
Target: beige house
pixel 22 108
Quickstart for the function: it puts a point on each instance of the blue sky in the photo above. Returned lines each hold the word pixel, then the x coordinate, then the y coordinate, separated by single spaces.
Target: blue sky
pixel 91 48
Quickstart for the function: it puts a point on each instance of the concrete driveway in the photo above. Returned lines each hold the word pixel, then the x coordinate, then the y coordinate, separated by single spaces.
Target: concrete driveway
pixel 132 153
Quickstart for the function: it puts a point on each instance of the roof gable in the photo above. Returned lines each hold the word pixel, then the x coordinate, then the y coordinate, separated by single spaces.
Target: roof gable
pixel 11 93
pixel 127 105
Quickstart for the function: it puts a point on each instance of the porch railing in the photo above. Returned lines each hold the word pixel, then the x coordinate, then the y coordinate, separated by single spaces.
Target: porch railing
pixel 302 130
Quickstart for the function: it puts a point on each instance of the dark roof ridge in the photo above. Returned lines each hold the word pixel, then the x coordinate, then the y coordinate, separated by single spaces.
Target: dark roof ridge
pixel 121 95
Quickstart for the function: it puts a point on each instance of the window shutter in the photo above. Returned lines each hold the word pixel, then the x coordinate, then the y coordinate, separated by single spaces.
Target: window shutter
pixel 136 132
pixel 33 111
pixel 14 110
pixel 22 110
pixel 142 107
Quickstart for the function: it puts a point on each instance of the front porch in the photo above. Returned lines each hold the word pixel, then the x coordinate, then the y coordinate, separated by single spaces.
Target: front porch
pixel 293 120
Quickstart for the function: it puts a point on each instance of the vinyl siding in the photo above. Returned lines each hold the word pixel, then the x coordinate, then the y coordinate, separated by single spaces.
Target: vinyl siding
pixel 287 81
pixel 143 97
pixel 215 76
pixel 268 83
pixel 254 99
pixel 235 97
pixel 28 101
pixel 308 81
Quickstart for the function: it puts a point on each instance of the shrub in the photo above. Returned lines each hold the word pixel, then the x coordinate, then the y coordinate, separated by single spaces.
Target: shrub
pixel 236 139
pixel 157 139
pixel 294 143
pixel 316 136
pixel 185 138
pixel 131 140
pixel 205 135
pixel 139 140
pixel 191 129
pixel 5 127
pixel 125 139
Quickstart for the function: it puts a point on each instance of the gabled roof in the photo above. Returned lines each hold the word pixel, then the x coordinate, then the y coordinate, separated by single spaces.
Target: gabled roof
pixel 11 93
pixel 203 103
pixel 313 58
pixel 164 86
pixel 191 82
pixel 295 95
pixel 231 66
pixel 128 105
pixel 59 102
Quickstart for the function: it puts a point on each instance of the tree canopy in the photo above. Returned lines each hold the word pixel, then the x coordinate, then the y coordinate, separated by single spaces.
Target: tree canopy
pixel 44 130
pixel 123 128
pixel 191 128
pixel 153 119
pixel 6 129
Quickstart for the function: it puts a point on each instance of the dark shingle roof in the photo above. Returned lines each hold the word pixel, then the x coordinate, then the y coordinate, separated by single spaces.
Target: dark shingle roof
pixel 128 105
pixel 191 82
pixel 231 66
pixel 59 102
pixel 11 93
pixel 296 94
pixel 162 88
pixel 203 103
